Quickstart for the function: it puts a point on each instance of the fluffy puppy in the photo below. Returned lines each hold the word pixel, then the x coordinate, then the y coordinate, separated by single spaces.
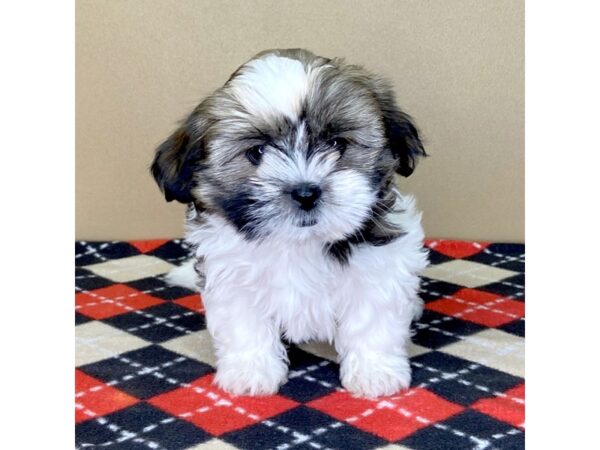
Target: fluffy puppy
pixel 297 227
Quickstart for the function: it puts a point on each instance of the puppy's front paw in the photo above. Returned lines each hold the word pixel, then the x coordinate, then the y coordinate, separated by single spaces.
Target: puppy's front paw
pixel 244 376
pixel 373 377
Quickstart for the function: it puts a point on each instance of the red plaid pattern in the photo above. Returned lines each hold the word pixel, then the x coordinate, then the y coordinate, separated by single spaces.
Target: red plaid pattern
pixel 94 398
pixel 456 249
pixel 509 407
pixel 145 365
pixel 480 307
pixel 392 418
pixel 113 300
pixel 217 412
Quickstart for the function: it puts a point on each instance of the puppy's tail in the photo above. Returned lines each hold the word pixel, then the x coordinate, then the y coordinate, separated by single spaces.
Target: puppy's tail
pixel 185 276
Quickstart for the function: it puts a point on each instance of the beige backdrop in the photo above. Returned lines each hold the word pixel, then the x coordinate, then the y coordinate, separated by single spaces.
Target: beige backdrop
pixel 457 67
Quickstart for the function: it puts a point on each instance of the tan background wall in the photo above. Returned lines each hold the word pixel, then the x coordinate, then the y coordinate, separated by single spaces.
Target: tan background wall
pixel 457 67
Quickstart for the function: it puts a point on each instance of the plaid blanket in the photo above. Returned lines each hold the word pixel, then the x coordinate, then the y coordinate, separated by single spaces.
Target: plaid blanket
pixel 144 363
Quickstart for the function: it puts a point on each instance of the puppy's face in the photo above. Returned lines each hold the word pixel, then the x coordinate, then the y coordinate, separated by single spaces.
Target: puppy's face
pixel 293 146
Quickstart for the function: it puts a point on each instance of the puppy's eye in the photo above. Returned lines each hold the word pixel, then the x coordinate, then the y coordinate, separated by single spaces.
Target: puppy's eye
pixel 339 144
pixel 255 154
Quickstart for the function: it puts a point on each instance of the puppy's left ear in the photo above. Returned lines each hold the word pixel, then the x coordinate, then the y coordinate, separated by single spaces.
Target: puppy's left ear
pixel 401 133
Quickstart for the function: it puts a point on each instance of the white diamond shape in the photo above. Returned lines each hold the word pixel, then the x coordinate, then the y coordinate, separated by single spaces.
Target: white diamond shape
pixel 131 268
pixel 327 351
pixel 213 444
pixel 493 348
pixel 196 345
pixel 467 273
pixel 95 341
pixel 321 349
pixel 393 447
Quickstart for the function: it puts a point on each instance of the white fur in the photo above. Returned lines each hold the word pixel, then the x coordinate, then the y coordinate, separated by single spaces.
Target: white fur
pixel 271 86
pixel 256 291
pixel 184 276
pixel 347 196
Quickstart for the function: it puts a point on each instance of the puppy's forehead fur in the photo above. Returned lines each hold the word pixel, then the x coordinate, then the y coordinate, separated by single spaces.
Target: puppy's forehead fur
pixel 273 85
pixel 280 94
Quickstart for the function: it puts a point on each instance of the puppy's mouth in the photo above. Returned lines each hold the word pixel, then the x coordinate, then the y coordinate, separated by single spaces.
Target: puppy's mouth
pixel 307 222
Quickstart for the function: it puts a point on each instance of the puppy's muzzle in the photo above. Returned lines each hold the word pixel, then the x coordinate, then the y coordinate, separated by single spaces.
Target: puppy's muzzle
pixel 306 195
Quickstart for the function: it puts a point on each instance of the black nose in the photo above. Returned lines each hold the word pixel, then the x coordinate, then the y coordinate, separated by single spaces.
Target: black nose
pixel 306 195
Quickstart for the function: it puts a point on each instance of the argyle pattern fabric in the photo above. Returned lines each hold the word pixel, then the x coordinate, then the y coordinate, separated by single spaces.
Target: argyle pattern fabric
pixel 145 364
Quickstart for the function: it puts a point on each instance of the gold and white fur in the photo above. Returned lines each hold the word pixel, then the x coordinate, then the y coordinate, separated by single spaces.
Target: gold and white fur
pixel 345 271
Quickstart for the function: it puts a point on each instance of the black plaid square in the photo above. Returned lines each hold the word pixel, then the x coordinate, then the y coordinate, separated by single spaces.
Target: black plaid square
pixel 309 377
pixel 157 287
pixel 159 323
pixel 435 289
pixel 148 371
pixel 302 428
pixel 502 256
pixel 458 380
pixel 141 426
pixel 435 330
pixel 80 319
pixel 517 328
pixel 467 430
pixel 175 251
pixel 437 257
pixel 513 287
pixel 88 281
pixel 87 253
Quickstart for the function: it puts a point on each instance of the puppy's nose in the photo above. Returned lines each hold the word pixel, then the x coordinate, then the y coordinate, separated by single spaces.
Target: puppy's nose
pixel 306 195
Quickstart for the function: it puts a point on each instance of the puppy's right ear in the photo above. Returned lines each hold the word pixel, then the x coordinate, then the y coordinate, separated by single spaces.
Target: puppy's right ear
pixel 174 165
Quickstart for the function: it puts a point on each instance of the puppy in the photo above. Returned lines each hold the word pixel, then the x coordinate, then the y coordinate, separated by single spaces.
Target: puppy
pixel 297 227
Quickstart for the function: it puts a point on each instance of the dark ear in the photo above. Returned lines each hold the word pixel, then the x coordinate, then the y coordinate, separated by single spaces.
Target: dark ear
pixel 174 165
pixel 402 135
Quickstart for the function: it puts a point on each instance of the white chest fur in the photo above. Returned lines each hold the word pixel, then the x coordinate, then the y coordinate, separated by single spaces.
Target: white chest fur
pixel 296 285
pixel 256 292
pixel 291 284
